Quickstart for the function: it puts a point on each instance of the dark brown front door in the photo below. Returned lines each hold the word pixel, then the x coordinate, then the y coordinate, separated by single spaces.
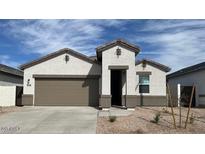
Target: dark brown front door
pixel 66 92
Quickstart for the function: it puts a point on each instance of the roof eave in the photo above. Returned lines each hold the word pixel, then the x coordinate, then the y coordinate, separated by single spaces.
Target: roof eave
pixel 10 70
pixel 55 54
pixel 119 42
pixel 158 65
pixel 178 73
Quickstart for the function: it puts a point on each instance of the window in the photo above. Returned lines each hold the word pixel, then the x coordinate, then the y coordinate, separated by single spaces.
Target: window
pixel 144 83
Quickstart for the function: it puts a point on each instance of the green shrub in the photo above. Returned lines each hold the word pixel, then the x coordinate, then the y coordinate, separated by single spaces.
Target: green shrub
pixel 156 118
pixel 112 118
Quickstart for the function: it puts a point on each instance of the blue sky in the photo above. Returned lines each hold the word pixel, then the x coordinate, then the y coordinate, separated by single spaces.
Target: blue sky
pixel 175 43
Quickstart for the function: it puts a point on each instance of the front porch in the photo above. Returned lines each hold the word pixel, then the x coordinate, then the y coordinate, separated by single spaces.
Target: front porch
pixel 118 89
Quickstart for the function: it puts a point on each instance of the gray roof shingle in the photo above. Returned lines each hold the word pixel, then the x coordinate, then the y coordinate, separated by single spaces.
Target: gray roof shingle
pixel 11 70
pixel 190 69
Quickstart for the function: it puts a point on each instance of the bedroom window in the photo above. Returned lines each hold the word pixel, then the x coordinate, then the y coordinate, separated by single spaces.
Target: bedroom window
pixel 144 83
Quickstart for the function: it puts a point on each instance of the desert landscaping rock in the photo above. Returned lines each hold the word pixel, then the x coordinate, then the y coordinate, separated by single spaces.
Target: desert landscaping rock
pixel 140 122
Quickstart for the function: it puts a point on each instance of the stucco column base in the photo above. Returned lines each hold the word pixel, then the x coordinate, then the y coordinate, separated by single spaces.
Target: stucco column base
pixel 131 101
pixel 105 101
pixel 27 100
pixel 124 101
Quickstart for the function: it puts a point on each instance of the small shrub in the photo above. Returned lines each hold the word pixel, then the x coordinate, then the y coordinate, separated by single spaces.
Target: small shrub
pixel 112 118
pixel 156 118
pixel 165 110
pixel 191 119
pixel 1 109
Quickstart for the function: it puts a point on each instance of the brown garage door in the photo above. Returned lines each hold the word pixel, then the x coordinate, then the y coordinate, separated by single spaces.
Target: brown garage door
pixel 66 92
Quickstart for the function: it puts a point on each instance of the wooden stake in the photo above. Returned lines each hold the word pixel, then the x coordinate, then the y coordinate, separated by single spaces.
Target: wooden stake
pixel 180 116
pixel 169 93
pixel 192 93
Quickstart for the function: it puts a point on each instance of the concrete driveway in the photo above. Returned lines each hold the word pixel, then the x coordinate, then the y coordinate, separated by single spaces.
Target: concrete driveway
pixel 56 120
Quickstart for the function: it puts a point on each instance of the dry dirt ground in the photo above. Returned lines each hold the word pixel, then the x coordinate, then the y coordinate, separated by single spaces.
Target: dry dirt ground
pixel 4 110
pixel 139 122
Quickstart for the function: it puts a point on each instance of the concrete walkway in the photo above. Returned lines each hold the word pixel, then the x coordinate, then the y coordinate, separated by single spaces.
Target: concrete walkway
pixel 114 112
pixel 46 120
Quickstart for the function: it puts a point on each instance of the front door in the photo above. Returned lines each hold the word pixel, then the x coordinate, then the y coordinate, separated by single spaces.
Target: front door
pixel 116 87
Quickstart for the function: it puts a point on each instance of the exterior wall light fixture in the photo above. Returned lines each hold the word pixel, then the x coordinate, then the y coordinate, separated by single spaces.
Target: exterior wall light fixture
pixel 67 58
pixel 118 51
pixel 144 63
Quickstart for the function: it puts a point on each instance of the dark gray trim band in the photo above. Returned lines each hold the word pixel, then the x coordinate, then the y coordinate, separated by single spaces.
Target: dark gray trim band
pixel 201 105
pixel 201 95
pixel 105 101
pixel 67 76
pixel 118 67
pixel 27 99
pixel 144 73
pixel 146 100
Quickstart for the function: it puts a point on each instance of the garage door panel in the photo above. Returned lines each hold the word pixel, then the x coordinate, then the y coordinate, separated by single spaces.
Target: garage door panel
pixel 66 92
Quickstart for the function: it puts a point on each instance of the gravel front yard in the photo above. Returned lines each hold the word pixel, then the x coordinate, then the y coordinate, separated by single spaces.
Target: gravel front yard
pixel 139 122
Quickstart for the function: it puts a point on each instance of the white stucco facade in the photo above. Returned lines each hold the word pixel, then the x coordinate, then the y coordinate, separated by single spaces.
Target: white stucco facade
pixel 195 78
pixel 58 66
pixel 157 79
pixel 108 61
pixel 109 58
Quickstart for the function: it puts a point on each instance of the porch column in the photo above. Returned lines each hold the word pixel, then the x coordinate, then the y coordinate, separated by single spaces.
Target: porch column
pixel 105 97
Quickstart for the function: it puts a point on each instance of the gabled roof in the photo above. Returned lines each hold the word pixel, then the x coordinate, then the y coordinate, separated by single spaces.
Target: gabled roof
pixel 93 57
pixel 190 69
pixel 11 70
pixel 55 54
pixel 155 64
pixel 119 42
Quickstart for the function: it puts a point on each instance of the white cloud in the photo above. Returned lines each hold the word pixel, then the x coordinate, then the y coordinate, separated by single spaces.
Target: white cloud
pixel 176 43
pixel 173 25
pixel 45 36
pixel 6 60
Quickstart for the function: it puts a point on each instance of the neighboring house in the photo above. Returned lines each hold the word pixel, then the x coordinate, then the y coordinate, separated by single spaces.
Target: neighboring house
pixel 111 78
pixel 10 76
pixel 11 86
pixel 187 77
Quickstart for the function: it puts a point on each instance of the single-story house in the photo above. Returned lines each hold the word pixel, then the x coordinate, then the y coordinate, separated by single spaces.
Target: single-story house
pixel 188 77
pixel 111 78
pixel 11 86
pixel 10 76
